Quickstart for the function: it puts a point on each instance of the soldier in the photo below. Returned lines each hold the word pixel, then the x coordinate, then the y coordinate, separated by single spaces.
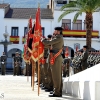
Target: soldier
pixel 56 61
pixel 66 65
pixel 44 69
pixel 28 69
pixel 3 64
pixel 84 59
pixel 49 74
pixel 17 64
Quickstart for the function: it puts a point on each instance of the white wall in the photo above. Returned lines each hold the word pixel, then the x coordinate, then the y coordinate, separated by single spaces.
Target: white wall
pixel 82 41
pixel 70 41
pixel 85 84
pixel 96 19
pixel 21 23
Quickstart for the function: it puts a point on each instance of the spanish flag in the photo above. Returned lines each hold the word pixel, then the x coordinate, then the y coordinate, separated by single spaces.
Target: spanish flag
pixel 14 39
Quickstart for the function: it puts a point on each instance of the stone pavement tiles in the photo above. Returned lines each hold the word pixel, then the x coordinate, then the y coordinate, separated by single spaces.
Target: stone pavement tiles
pixel 18 88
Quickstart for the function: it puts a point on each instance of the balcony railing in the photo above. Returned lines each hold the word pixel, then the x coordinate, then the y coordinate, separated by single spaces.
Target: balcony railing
pixel 14 39
pixel 79 33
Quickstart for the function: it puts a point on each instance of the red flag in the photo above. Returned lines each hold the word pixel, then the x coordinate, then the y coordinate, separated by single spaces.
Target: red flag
pixel 66 52
pixel 27 54
pixel 37 45
pixel 30 23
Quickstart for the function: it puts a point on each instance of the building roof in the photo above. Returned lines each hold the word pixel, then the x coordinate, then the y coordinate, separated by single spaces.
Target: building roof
pixel 3 5
pixel 25 13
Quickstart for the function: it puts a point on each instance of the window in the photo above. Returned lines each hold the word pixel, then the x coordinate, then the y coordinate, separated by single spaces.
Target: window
pixel 66 24
pixel 14 31
pixel 25 30
pixel 43 31
pixel 77 25
pixel 84 25
pixel 61 2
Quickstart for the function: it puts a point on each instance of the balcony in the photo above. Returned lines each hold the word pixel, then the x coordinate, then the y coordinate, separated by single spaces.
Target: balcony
pixel 79 33
pixel 14 39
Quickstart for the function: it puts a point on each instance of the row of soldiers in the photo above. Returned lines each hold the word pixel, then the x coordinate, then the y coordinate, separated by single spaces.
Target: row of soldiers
pixel 51 69
pixel 76 62
pixel 17 63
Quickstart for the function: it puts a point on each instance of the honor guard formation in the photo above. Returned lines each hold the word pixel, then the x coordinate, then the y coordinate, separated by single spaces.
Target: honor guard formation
pixel 55 63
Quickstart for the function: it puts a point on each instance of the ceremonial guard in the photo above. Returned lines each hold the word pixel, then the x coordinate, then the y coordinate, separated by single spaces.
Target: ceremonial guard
pixel 49 74
pixel 66 65
pixel 3 63
pixel 84 58
pixel 56 61
pixel 44 69
pixel 28 69
pixel 17 64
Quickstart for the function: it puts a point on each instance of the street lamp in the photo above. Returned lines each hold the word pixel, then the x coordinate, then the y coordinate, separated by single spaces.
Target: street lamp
pixel 5 43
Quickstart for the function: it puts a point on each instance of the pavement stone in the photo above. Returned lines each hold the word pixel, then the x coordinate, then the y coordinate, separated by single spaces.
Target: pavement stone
pixel 19 88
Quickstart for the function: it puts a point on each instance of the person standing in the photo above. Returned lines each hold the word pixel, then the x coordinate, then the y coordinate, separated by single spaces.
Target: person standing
pixel 3 63
pixel 17 64
pixel 56 61
pixel 84 58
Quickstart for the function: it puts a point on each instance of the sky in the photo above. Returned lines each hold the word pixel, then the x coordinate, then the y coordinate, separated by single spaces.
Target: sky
pixel 26 3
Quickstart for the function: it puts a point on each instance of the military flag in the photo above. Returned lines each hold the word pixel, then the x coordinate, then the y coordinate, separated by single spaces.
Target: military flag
pixel 26 53
pixel 37 45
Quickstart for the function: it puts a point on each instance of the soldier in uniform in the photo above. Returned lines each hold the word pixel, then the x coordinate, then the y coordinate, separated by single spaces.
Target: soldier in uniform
pixel 28 69
pixel 85 57
pixel 56 61
pixel 17 64
pixel 66 65
pixel 3 64
pixel 49 74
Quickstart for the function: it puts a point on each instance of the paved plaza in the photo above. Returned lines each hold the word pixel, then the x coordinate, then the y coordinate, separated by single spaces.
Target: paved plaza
pixel 19 88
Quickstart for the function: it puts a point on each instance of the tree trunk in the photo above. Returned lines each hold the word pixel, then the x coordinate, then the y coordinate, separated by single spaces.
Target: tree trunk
pixel 89 25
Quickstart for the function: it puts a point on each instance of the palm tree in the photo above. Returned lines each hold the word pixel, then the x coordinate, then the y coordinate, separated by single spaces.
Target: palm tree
pixel 80 6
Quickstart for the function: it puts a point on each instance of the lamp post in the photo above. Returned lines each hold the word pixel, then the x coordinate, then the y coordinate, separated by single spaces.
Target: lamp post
pixel 5 43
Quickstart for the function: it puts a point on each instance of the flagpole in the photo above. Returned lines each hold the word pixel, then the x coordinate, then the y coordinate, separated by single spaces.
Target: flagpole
pixel 27 74
pixel 38 73
pixel 33 72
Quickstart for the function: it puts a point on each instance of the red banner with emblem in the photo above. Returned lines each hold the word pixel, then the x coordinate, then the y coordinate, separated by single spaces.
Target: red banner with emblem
pixel 37 45
pixel 26 52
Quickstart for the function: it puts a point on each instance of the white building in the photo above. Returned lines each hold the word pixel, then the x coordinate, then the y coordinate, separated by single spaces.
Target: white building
pixel 16 20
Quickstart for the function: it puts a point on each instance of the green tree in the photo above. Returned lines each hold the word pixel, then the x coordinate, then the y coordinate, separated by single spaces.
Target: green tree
pixel 80 6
